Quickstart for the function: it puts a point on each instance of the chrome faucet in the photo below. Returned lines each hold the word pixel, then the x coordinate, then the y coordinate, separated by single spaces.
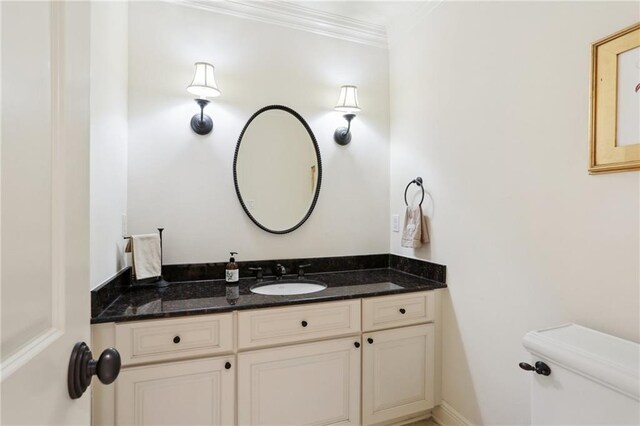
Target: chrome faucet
pixel 279 271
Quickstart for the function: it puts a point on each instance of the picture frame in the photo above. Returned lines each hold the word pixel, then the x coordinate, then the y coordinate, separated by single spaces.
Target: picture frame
pixel 615 102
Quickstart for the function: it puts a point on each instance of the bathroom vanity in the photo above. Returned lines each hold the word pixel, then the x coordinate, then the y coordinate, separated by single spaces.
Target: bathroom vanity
pixel 363 351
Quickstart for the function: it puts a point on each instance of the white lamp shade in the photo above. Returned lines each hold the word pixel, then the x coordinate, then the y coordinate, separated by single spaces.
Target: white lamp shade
pixel 348 100
pixel 204 83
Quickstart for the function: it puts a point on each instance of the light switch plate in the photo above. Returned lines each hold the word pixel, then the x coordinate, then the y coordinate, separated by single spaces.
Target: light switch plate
pixel 395 223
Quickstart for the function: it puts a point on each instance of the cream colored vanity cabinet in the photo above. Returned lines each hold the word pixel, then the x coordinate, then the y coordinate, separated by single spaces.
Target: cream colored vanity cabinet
pixel 369 361
pixel 398 357
pixel 379 313
pixel 314 383
pixel 293 324
pixel 195 392
pixel 174 372
pixel 308 384
pixel 143 342
pixel 397 373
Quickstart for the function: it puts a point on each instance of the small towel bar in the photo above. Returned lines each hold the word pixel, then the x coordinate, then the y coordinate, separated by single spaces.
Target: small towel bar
pixel 417 181
pixel 161 282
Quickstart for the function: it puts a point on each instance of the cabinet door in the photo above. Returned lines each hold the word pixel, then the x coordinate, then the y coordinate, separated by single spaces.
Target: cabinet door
pixel 397 369
pixel 307 384
pixel 199 392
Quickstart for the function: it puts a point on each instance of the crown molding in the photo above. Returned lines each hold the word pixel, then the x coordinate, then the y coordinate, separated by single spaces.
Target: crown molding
pixel 296 16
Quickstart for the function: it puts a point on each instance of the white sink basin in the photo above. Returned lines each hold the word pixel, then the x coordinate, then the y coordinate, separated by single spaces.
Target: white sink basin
pixel 288 288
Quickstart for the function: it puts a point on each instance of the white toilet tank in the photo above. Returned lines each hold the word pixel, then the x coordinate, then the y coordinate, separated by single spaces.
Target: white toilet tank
pixel 594 377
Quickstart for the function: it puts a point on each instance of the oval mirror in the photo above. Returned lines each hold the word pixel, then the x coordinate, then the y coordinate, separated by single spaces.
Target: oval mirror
pixel 277 169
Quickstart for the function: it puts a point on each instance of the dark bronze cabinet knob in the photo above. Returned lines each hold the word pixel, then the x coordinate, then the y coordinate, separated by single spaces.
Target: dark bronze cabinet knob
pixel 526 366
pixel 304 323
pixel 542 368
pixel 356 344
pixel 539 367
pixel 370 340
pixel 82 367
pixel 403 311
pixel 227 365
pixel 176 339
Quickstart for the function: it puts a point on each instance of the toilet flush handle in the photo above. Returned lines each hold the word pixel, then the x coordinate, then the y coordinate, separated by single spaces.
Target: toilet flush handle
pixel 540 368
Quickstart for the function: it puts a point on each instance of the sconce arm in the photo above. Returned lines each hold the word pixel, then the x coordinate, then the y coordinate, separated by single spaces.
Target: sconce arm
pixel 342 135
pixel 349 117
pixel 203 103
pixel 201 123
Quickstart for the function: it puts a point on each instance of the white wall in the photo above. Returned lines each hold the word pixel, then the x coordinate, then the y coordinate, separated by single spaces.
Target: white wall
pixel 490 105
pixel 184 182
pixel 108 115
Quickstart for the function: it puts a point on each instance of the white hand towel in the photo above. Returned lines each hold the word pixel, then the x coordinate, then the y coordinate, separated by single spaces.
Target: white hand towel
pixel 415 231
pixel 145 251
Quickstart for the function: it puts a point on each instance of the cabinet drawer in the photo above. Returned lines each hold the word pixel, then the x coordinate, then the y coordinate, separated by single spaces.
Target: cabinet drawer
pixel 272 326
pixel 160 340
pixel 395 311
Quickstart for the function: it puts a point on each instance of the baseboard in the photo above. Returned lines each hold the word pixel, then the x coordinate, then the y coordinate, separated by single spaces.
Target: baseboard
pixel 413 419
pixel 446 415
pixel 406 420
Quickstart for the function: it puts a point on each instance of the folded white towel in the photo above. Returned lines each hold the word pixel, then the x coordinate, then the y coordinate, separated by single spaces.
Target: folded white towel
pixel 145 251
pixel 415 231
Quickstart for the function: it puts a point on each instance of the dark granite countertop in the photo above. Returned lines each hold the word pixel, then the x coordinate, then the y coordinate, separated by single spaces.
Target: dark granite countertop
pixel 206 297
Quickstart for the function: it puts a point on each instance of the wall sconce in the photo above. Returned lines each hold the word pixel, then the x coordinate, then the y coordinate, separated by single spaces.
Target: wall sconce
pixel 203 86
pixel 347 103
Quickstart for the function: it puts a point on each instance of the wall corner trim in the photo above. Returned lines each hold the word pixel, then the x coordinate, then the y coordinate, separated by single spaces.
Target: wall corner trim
pixel 446 415
pixel 298 17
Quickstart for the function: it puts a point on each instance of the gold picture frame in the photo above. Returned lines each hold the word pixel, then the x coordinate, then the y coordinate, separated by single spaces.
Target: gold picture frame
pixel 615 122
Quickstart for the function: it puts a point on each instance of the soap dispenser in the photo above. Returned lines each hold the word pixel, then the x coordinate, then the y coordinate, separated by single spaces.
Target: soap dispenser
pixel 232 274
pixel 232 277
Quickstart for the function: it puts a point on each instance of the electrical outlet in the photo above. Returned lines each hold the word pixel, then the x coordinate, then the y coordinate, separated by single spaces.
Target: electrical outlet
pixel 251 204
pixel 395 223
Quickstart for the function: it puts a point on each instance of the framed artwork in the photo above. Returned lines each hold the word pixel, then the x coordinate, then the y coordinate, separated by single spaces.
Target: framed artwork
pixel 615 102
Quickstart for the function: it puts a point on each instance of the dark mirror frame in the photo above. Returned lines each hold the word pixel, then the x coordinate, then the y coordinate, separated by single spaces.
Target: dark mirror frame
pixel 315 146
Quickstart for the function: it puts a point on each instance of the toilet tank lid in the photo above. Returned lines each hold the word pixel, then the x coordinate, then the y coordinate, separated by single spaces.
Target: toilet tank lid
pixel 609 360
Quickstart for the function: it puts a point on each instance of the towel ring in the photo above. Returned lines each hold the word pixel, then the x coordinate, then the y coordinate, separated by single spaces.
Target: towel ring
pixel 417 181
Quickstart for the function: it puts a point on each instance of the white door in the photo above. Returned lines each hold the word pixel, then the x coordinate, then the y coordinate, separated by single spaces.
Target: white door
pixel 309 384
pixel 397 373
pixel 44 214
pixel 199 393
